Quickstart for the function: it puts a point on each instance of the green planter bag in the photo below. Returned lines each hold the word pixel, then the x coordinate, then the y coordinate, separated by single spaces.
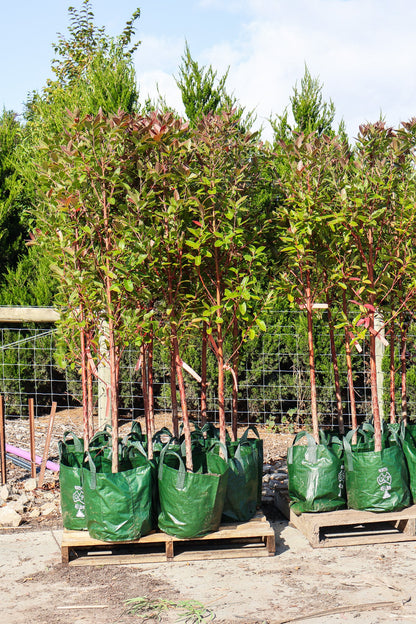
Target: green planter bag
pixel 71 453
pixel 191 503
pixel 257 446
pixel 118 505
pixel 316 476
pixel 376 480
pixel 409 449
pixel 242 490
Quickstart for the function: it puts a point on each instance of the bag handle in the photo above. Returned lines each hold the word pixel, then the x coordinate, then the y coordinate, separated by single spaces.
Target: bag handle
pixel 135 445
pixel 78 442
pixel 252 428
pixel 104 433
pixel 180 481
pixel 93 470
pixel 136 427
pixel 222 446
pixel 164 431
pixel 312 447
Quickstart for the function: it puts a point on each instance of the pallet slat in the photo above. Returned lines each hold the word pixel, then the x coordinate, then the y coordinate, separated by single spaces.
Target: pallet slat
pixel 350 527
pixel 255 538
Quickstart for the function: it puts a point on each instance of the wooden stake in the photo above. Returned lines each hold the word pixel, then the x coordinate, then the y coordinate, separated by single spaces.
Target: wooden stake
pixel 2 444
pixel 47 444
pixel 32 439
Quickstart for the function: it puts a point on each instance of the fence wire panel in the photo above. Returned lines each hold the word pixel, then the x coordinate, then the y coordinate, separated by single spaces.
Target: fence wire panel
pixel 273 372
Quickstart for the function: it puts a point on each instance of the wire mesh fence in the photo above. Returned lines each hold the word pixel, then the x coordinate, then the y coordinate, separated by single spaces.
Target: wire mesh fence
pixel 274 387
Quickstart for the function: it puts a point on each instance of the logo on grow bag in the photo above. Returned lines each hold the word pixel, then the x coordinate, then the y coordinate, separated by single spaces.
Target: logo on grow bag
pixel 384 481
pixel 341 481
pixel 78 498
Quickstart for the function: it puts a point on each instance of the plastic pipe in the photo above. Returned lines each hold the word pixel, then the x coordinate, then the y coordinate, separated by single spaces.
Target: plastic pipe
pixel 14 450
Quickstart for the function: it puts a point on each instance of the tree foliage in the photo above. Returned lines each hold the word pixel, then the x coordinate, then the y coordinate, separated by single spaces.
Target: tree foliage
pixel 309 112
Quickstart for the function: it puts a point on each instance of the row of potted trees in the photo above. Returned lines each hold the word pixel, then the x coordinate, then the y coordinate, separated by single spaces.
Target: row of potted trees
pixel 163 232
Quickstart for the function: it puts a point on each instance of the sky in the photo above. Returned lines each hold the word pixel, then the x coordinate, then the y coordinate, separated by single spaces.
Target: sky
pixel 362 51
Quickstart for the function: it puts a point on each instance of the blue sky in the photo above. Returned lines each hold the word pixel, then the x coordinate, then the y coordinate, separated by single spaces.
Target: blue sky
pixel 363 51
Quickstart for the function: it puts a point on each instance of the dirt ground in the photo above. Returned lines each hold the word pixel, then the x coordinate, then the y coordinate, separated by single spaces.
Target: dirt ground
pixel 374 584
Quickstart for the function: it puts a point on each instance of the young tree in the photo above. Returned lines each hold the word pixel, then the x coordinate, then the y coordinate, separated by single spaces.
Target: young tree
pixel 309 111
pixel 204 93
pixel 301 224
pixel 226 240
pixel 13 202
pixel 160 220
pixel 85 233
pixel 374 223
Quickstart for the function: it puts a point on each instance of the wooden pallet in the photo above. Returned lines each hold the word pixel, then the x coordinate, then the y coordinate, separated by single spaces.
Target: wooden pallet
pixel 250 539
pixel 349 527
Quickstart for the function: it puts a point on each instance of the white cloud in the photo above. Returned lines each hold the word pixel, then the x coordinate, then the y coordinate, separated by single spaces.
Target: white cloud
pixel 363 51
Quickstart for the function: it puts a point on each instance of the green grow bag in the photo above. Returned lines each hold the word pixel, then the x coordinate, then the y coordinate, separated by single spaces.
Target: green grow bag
pixel 256 444
pixel 242 490
pixel 191 503
pixel 119 505
pixel 316 476
pixel 409 449
pixel 377 480
pixel 71 453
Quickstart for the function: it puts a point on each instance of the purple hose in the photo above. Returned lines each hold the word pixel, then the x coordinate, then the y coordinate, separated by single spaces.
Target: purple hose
pixel 14 450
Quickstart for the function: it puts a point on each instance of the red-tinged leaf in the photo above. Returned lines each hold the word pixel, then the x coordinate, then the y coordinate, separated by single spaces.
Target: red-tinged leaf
pixel 369 307
pixel 197 223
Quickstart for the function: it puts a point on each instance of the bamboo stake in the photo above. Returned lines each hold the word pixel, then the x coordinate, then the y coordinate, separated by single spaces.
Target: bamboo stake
pixel 32 439
pixel 2 443
pixel 47 444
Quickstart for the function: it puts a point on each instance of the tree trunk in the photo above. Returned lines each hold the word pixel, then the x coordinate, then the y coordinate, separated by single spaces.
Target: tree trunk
pixel 312 372
pixel 392 376
pixel 204 374
pixel 234 425
pixel 173 398
pixel 150 385
pixel 145 388
pixel 184 407
pixel 374 390
pixel 340 416
pixel 221 390
pixel 403 338
pixel 350 377
pixel 114 368
pixel 85 394
pixel 90 400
